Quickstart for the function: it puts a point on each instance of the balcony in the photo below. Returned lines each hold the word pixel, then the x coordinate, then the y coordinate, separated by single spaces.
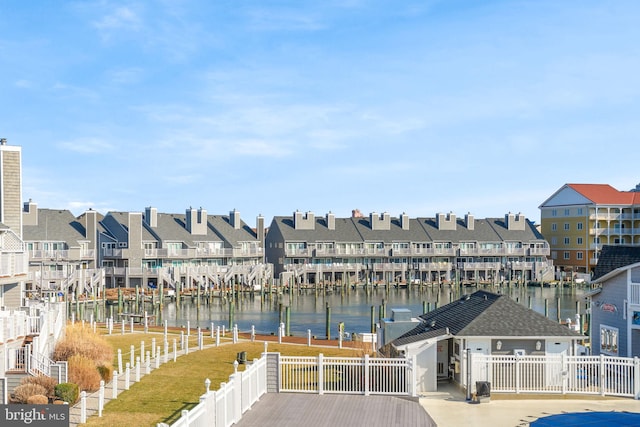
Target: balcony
pixel 479 266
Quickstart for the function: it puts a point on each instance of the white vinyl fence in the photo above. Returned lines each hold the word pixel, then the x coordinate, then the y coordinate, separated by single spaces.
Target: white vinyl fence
pixel 347 375
pixel 225 406
pixel 599 375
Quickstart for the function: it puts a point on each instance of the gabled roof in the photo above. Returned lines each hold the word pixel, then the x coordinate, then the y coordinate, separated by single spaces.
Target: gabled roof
pixel 484 314
pixel 598 194
pixel 613 257
pixel 55 225
pixel 604 194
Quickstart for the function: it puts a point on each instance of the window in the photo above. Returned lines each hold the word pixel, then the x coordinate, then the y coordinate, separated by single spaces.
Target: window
pixel 554 241
pixel 554 227
pixel 579 210
pixel 554 212
pixel 596 240
pixel 579 226
pixel 578 240
pixel 608 340
pixel 554 255
pixel 567 255
pixel 567 212
pixel 567 241
pixel 567 226
pixel 579 255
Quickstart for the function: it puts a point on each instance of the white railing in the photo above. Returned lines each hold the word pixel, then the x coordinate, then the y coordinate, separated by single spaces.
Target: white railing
pixel 600 375
pixel 347 375
pixel 40 364
pixel 634 295
pixel 225 407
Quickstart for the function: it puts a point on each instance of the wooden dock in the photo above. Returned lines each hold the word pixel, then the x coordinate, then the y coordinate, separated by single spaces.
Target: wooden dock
pixel 330 410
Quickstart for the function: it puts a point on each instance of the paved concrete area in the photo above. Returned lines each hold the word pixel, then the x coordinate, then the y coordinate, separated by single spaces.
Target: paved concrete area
pixel 449 407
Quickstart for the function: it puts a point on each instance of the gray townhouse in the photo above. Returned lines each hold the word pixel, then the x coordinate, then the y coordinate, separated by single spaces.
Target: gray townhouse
pixel 193 249
pixel 381 248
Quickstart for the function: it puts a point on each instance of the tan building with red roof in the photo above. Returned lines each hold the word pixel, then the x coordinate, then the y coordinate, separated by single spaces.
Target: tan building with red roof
pixel 579 219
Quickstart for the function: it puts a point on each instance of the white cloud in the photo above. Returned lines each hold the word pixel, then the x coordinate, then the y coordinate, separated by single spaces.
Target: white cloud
pixel 86 145
pixel 119 19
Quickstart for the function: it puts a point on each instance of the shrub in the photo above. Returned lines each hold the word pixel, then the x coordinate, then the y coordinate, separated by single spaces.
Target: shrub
pixel 68 392
pixel 47 382
pixel 83 341
pixel 38 399
pixel 106 372
pixel 82 371
pixel 23 392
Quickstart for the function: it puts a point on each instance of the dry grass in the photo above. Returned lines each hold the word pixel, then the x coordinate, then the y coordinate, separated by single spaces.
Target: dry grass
pixel 38 399
pixel 83 372
pixel 48 383
pixel 23 392
pixel 83 341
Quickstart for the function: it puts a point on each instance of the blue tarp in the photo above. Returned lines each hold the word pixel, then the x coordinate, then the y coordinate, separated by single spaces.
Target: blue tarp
pixel 589 419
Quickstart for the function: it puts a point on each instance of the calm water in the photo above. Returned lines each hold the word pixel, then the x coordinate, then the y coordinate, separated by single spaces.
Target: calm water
pixel 353 307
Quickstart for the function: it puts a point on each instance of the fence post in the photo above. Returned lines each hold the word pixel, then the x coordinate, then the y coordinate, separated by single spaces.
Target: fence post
pixel 119 360
pixel 186 344
pixel 218 336
pixel 146 323
pixel 83 407
pixel 166 351
pixel 235 334
pixel 132 355
pixel 175 350
pixel 153 347
pixel 188 327
pixel 565 372
pixel 114 385
pixel 127 376
pixel 320 373
pixel 308 337
pixel 414 376
pixel 142 350
pixel 636 378
pixel 253 333
pixel 181 340
pixel 165 329
pixel 101 398
pixel 602 375
pixel 138 369
pixel 211 330
pixel 366 374
pixel 131 325
pixel 148 363
pixel 516 368
pixel 200 339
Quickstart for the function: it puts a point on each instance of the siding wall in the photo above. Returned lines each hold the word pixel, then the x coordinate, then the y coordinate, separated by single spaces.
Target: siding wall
pixel 614 291
pixel 11 201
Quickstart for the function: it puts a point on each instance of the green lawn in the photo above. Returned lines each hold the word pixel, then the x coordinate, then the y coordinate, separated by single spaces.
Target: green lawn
pixel 175 386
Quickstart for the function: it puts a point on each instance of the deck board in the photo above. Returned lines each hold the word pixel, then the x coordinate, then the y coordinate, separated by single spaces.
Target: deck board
pixel 313 410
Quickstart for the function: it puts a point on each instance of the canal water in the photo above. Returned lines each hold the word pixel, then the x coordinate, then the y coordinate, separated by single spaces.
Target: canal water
pixel 353 307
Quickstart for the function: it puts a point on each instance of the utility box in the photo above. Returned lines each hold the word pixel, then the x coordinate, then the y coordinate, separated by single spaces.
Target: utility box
pixel 483 391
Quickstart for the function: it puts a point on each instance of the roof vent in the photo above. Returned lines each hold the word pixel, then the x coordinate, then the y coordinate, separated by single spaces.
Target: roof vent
pixel 468 297
pixel 485 297
pixel 433 323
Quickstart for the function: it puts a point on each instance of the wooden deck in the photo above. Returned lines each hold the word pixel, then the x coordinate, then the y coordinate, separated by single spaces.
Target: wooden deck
pixel 333 410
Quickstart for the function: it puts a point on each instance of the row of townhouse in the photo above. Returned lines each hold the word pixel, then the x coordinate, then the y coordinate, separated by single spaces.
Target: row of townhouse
pixel 578 220
pixel 379 247
pixel 128 249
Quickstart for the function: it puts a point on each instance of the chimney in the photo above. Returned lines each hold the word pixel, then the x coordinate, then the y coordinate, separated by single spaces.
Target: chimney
pixel 196 221
pixel 3 141
pixel 404 221
pixel 304 221
pixel 260 230
pixel 331 221
pixel 469 221
pixel 234 219
pixel 30 213
pixel 91 227
pixel 382 222
pixel 515 222
pixel 151 216
pixel 446 222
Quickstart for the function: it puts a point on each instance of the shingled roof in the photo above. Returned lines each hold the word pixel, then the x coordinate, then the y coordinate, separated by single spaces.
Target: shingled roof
pixel 613 257
pixel 485 314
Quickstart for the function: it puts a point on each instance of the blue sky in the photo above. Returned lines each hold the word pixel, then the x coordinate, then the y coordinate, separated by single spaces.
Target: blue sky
pixel 267 107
